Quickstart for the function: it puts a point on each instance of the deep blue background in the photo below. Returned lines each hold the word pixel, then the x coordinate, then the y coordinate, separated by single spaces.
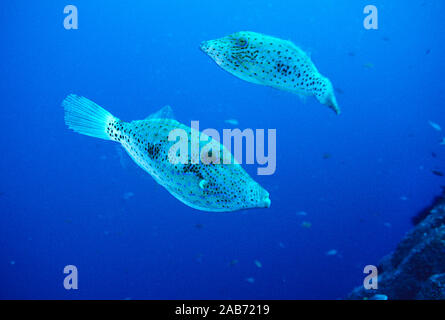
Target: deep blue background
pixel 62 193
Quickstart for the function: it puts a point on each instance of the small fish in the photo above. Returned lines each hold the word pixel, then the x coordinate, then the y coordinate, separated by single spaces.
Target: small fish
pixel 332 252
pixel 386 39
pixel 232 122
pixel 258 264
pixel 438 173
pixel 368 65
pixel 215 187
pixel 435 126
pixel 273 62
pixel 306 224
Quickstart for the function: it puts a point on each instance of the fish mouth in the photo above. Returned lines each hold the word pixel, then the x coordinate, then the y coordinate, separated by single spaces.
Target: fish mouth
pixel 267 202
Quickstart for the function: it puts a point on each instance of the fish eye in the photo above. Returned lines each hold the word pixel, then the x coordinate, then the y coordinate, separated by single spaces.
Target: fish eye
pixel 241 42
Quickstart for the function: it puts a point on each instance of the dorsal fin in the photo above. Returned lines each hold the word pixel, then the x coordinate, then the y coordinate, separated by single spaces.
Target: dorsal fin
pixel 164 113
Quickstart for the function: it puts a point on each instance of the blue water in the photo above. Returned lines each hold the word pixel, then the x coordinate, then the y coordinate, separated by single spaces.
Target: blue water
pixel 62 194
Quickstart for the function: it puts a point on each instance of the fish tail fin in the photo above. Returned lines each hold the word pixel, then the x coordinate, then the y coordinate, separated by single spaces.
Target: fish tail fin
pixel 86 117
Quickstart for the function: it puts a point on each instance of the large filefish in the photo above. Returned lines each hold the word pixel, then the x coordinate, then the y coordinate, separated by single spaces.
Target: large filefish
pixel 204 186
pixel 273 62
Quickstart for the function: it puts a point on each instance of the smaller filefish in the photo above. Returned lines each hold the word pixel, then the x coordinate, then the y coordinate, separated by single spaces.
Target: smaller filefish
pixel 272 62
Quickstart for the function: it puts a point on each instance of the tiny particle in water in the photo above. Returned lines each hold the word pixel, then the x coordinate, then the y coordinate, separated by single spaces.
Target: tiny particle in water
pixel 387 224
pixel 368 65
pixel 306 224
pixel 12 262
pixel 250 280
pixel 199 257
pixel 379 297
pixel 301 213
pixel 233 262
pixel 258 264
pixel 199 226
pixel 443 141
pixel 428 51
pixel 128 195
pixel 281 244
pixel 326 155
pixel 403 198
pixel 332 252
pixel 433 154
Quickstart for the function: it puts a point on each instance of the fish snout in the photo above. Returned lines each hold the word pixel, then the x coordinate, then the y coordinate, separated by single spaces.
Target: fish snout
pixel 204 46
pixel 265 200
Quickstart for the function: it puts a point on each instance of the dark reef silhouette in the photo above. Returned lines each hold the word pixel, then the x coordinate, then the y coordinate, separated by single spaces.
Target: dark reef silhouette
pixel 416 268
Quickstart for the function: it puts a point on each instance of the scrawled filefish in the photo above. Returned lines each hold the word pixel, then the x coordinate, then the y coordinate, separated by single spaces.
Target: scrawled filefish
pixel 273 62
pixel 204 186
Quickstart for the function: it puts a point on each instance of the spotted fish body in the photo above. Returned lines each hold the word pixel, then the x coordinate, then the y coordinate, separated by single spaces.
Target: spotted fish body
pixel 208 187
pixel 272 62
